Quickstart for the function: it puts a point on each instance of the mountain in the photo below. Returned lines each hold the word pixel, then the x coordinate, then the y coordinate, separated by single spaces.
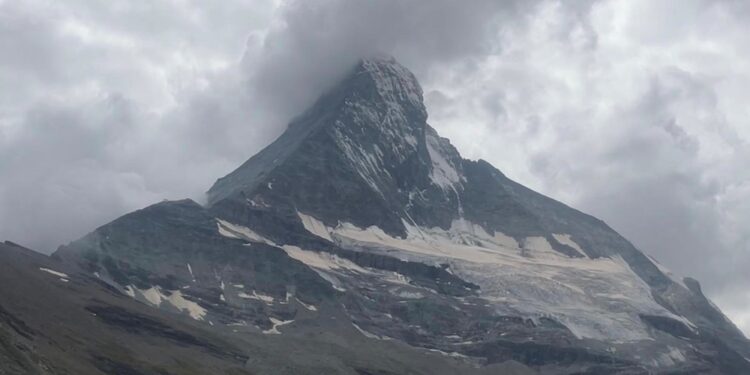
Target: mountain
pixel 364 171
pixel 361 242
pixel 55 318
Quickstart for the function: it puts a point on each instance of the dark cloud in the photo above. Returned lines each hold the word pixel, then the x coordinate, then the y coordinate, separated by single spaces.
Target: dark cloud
pixel 110 107
pixel 317 42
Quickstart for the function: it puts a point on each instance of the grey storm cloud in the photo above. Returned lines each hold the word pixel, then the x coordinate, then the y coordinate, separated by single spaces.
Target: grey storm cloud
pixel 320 41
pixel 634 111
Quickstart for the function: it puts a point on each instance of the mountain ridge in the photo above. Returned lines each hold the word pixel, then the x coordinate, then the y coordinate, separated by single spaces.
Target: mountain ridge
pixel 544 212
pixel 468 190
pixel 361 220
pixel 440 164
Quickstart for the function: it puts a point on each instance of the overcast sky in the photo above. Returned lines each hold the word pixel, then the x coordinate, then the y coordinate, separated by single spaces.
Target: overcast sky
pixel 635 111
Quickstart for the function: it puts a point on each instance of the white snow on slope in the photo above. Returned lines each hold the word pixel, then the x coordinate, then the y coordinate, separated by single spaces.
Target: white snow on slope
pixel 595 298
pixel 670 358
pixel 256 296
pixel 370 335
pixel 324 264
pixel 276 324
pixel 53 272
pixel 129 291
pixel 190 269
pixel 156 297
pixel 230 230
pixel 332 267
pixel 448 354
pixel 306 306
pixel 322 260
pixel 315 226
pixel 443 173
pixel 152 295
pixel 406 294
pixel 566 240
pixel 193 309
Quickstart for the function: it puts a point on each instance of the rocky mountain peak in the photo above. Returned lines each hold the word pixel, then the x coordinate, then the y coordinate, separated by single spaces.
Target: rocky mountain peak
pixel 395 84
pixel 360 221
pixel 369 130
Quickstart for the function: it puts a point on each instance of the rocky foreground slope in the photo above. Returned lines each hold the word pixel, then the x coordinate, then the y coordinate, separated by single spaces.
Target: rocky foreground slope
pixel 361 242
pixel 57 319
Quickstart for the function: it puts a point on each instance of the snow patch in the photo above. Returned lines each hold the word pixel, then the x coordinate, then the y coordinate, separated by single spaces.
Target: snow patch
pixel 322 260
pixel 53 272
pixel 152 295
pixel 230 230
pixel 129 291
pixel 276 324
pixel 396 278
pixel 306 306
pixel 370 335
pixel 538 245
pixel 443 173
pixel 408 294
pixel 256 296
pixel 315 226
pixel 566 239
pixel 190 269
pixel 193 309
pixel 448 354
pixel 324 264
pixel 676 354
pixel 671 358
pixel 156 297
pixel 595 298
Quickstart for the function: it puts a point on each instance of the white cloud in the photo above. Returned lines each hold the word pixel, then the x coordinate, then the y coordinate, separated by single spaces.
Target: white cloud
pixel 116 105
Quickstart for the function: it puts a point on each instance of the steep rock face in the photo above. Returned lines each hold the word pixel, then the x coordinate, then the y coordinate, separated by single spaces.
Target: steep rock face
pixel 360 219
pixel 364 154
pixel 360 154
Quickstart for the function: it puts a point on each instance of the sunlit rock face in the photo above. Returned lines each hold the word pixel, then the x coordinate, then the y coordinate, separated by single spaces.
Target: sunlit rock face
pixel 361 219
